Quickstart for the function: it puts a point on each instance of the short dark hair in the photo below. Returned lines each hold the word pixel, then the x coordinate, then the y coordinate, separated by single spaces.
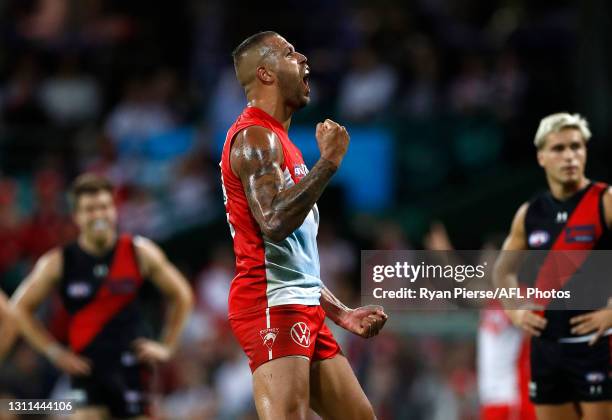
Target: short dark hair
pixel 88 183
pixel 252 41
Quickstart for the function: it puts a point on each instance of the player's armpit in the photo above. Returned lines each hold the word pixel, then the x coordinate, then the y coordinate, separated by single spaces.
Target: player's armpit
pixel 257 158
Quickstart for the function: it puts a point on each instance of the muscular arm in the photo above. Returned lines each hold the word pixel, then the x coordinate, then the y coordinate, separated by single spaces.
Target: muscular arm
pixel 607 202
pixel 505 270
pixel 8 329
pixel 366 321
pixel 256 158
pixel 26 299
pixel 31 292
pixel 505 274
pixel 172 284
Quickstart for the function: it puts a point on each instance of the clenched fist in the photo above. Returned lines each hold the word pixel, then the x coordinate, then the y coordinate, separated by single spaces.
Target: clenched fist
pixel 333 141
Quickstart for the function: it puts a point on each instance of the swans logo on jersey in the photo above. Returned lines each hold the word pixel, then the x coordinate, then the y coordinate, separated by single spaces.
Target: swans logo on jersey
pixel 300 333
pixel 300 171
pixel 538 238
pixel 79 290
pixel 268 336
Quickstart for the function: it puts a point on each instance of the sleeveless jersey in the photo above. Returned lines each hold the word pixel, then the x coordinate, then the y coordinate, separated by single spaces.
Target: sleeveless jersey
pixel 576 224
pixel 101 295
pixel 502 359
pixel 269 273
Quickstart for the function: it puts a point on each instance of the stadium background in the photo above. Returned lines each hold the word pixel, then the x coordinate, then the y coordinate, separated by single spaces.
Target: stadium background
pixel 442 99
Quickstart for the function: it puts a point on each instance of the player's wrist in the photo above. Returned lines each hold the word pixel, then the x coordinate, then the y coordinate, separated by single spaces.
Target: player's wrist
pixel 329 163
pixel 168 349
pixel 53 351
pixel 343 316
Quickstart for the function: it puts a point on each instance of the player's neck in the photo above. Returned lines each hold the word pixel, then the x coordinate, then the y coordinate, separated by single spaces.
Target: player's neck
pixel 97 248
pixel 275 108
pixel 564 191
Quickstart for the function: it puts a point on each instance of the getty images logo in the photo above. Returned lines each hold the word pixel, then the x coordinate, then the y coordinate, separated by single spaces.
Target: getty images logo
pixel 300 333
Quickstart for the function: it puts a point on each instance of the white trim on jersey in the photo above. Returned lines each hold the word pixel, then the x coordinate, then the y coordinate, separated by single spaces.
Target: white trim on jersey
pixel 268 327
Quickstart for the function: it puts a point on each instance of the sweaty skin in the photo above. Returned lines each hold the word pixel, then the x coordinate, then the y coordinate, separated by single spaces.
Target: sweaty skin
pixel 256 158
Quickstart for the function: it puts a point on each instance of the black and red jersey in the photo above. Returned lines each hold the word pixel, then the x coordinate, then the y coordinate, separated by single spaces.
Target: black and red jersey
pixel 576 224
pixel 102 296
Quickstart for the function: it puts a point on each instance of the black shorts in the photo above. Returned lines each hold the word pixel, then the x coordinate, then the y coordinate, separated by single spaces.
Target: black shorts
pixel 119 385
pixel 570 372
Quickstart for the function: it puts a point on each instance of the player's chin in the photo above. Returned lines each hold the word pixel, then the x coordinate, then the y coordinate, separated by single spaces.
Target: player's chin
pixel 303 101
pixel 571 179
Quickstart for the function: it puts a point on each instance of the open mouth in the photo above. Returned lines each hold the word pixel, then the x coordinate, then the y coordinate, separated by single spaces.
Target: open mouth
pixel 306 78
pixel 99 225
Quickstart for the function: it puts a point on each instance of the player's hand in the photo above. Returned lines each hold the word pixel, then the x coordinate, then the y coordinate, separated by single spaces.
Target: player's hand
pixel 527 320
pixel 151 351
pixel 366 321
pixel 71 363
pixel 596 321
pixel 437 238
pixel 333 140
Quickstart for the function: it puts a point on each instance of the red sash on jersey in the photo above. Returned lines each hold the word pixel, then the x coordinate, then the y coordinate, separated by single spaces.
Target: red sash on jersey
pixel 120 287
pixel 559 267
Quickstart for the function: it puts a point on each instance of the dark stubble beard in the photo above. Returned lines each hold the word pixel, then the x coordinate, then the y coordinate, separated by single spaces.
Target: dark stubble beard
pixel 291 88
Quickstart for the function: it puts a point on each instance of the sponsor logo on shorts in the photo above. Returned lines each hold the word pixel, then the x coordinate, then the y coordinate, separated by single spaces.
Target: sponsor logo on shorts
pixel 538 238
pixel 268 336
pixel 300 333
pixel 595 377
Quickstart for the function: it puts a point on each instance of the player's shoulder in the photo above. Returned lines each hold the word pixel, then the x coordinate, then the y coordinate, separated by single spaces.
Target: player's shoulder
pixel 607 204
pixel 256 137
pixel 52 261
pixel 148 254
pixel 521 212
pixel 254 146
pixel 146 248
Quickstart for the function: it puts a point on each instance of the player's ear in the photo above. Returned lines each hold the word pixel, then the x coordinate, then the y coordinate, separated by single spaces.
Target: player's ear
pixel 540 157
pixel 264 75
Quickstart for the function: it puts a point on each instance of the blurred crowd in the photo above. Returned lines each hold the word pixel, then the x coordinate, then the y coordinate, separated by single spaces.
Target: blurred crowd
pixel 143 91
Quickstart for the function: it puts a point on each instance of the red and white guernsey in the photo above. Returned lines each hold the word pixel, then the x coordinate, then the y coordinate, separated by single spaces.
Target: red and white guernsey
pixel 269 273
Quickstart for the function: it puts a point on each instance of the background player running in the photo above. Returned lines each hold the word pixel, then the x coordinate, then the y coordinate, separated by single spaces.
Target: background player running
pixel 99 278
pixel 276 297
pixel 564 368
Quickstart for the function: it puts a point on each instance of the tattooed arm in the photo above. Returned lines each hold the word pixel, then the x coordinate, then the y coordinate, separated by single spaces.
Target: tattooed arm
pixel 366 321
pixel 256 158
